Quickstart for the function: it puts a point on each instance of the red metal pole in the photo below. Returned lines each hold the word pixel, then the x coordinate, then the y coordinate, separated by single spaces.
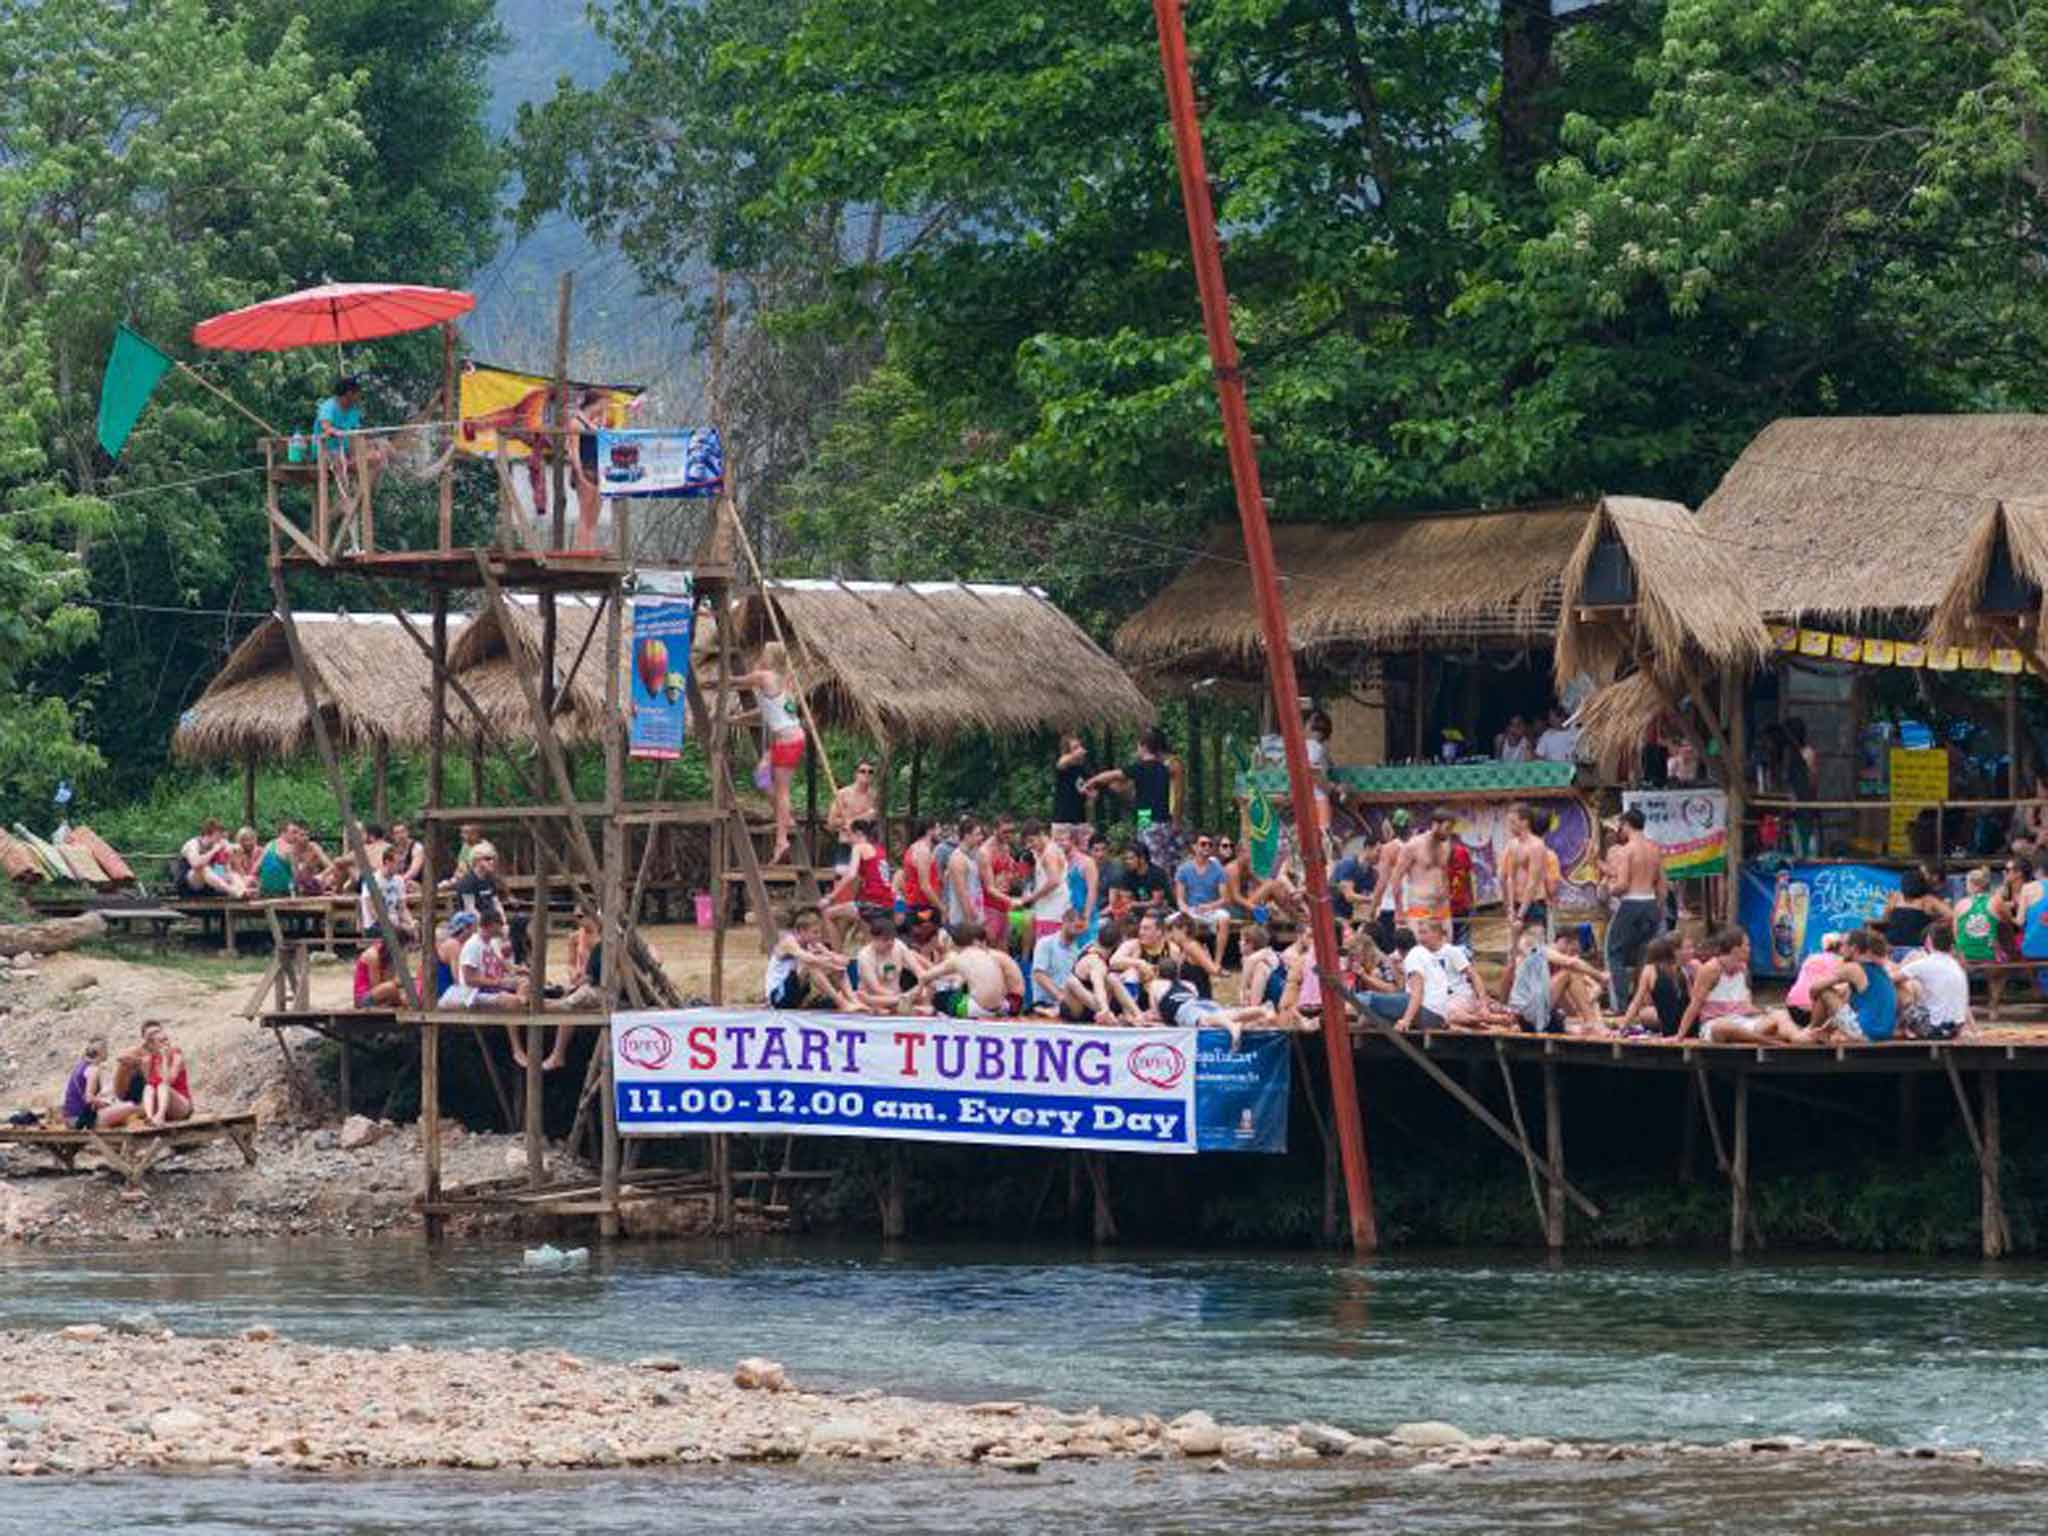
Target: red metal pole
pixel 1258 546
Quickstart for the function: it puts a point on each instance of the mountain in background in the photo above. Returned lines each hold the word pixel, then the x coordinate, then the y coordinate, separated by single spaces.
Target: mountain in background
pixel 616 331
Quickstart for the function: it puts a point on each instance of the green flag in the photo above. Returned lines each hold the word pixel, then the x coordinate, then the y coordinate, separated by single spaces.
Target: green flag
pixel 133 368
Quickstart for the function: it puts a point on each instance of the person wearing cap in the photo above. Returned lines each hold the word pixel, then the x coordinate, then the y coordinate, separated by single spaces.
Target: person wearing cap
pixel 334 420
pixel 480 980
pixel 1632 876
pixel 448 949
pixel 1423 871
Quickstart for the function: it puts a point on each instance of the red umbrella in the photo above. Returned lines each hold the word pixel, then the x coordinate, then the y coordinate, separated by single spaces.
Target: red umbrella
pixel 332 314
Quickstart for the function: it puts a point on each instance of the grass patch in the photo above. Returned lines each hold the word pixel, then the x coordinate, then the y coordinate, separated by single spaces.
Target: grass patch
pixel 198 964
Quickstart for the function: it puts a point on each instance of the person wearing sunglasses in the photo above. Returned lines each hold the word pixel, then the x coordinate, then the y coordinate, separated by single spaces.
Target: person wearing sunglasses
pixel 854 802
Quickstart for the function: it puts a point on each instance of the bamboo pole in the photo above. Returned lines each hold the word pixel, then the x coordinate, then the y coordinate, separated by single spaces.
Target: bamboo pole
pixel 558 443
pixel 618 924
pixel 1251 505
pixel 451 410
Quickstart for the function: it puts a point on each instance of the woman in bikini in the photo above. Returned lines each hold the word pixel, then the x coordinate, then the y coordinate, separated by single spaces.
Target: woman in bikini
pixel 782 730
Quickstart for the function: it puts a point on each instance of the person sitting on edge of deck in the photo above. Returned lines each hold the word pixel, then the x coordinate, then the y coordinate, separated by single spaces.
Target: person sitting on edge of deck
pixel 886 971
pixel 1721 1011
pixel 277 869
pixel 1577 986
pixel 803 972
pixel 1658 1005
pixel 1938 1006
pixel 1860 1004
pixel 1179 1006
pixel 1909 910
pixel 167 1090
pixel 90 1102
pixel 1552 989
pixel 391 886
pixel 1070 980
pixel 479 983
pixel 245 856
pixel 990 984
pixel 376 980
pixel 1816 970
pixel 208 861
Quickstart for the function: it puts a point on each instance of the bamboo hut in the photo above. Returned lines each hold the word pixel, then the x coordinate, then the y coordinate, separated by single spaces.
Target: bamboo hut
pixel 1995 595
pixel 1441 581
pixel 1856 519
pixel 1658 613
pixel 488 663
pixel 917 663
pixel 371 680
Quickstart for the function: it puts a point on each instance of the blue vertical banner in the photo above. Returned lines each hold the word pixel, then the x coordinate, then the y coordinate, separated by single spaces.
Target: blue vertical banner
pixel 664 624
pixel 1241 1095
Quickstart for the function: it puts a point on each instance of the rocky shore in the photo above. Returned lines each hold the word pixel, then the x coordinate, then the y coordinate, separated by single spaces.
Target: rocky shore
pixel 97 1397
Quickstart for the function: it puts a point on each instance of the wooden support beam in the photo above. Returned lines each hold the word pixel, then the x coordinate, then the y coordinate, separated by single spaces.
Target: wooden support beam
pixel 1507 1078
pixel 1103 1228
pixel 1739 1216
pixel 895 1223
pixel 1553 1116
pixel 451 411
pixel 430 1122
pixel 1478 1111
pixel 618 924
pixel 1997 1233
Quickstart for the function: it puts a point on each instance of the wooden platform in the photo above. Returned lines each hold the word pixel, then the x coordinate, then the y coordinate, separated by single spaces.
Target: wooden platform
pixel 1987 1051
pixel 585 1197
pixel 133 1152
pixel 526 570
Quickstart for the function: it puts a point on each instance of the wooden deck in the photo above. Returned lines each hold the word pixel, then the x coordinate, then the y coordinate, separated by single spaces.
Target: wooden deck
pixel 133 1152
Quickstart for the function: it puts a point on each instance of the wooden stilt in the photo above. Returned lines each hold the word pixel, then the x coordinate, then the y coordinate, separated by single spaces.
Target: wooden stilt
pixel 894 1220
pixel 1689 1134
pixel 1738 1221
pixel 1507 1078
pixel 430 1122
pixel 1909 1114
pixel 451 410
pixel 617 923
pixel 1553 1117
pixel 1997 1235
pixel 342 1070
pixel 1104 1226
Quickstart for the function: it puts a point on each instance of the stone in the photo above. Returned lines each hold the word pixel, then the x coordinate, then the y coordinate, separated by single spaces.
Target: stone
pixel 1533 1445
pixel 657 1363
pixel 84 981
pixel 358 1131
pixel 176 1424
pixel 326 1141
pixel 1012 1463
pixel 138 1323
pixel 1004 1408
pixel 25 1423
pixel 1195 1434
pixel 1325 1439
pixel 1368 1448
pixel 755 1374
pixel 260 1333
pixel 1567 1453
pixel 842 1437
pixel 1425 1433
pixel 83 1332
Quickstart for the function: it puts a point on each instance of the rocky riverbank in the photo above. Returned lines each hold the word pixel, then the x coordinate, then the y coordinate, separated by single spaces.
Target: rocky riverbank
pixel 98 1397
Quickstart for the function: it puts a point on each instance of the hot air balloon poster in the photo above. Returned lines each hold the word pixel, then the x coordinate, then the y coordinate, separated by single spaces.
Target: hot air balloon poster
pixel 659 660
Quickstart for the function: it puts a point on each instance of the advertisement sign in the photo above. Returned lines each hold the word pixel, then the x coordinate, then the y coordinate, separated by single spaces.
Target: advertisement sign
pixel 1786 913
pixel 1689 825
pixel 990 1081
pixel 1919 778
pixel 502 411
pixel 663 625
pixel 1241 1095
pixel 654 461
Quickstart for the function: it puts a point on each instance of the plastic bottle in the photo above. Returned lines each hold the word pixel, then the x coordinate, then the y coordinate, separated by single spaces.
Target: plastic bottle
pixel 295 450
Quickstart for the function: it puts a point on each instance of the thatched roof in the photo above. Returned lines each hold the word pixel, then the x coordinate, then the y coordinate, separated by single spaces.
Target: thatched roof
pixel 369 676
pixel 1617 720
pixel 2007 550
pixel 1689 601
pixel 928 661
pixel 1475 578
pixel 1849 517
pixel 489 667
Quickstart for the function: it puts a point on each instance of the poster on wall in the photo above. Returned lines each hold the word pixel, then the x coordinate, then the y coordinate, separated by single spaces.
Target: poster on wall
pixel 1785 912
pixel 1919 779
pixel 1482 826
pixel 664 623
pixel 1690 826
pixel 654 461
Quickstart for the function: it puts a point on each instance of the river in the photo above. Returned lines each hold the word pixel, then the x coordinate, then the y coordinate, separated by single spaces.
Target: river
pixel 1901 1353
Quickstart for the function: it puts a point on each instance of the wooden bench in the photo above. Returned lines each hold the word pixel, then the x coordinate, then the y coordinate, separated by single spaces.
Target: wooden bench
pixel 132 1152
pixel 127 921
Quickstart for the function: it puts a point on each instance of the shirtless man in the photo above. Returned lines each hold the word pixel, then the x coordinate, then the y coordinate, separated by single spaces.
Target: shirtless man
pixel 991 986
pixel 1425 894
pixel 1385 861
pixel 1524 871
pixel 882 964
pixel 1631 872
pixel 854 802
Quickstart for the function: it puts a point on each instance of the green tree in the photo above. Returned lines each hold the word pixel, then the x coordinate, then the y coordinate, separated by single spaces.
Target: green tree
pixel 154 171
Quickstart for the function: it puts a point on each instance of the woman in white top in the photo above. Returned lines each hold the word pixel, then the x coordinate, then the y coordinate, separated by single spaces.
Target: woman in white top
pixel 781 729
pixel 1722 1010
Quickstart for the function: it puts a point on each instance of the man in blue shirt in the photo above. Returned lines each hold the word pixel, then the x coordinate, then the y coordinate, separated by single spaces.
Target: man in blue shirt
pixel 338 415
pixel 1198 890
pixel 1351 881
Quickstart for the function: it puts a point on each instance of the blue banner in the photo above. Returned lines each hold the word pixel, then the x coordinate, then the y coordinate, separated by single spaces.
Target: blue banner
pixel 663 627
pixel 1785 911
pixel 1241 1096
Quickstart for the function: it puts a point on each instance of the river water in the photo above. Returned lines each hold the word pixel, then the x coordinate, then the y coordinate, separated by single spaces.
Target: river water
pixel 1903 1354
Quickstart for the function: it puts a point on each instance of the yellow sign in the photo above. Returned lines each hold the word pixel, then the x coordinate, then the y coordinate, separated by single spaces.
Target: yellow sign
pixel 1827 646
pixel 1919 778
pixel 494 400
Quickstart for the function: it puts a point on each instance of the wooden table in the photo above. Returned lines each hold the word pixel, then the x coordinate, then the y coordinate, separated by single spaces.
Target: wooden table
pixel 134 1152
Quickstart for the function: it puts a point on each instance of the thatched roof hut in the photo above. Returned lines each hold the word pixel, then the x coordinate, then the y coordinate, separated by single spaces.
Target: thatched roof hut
pixel 370 677
pixel 1846 518
pixel 1999 582
pixel 904 662
pixel 1390 584
pixel 1642 585
pixel 488 664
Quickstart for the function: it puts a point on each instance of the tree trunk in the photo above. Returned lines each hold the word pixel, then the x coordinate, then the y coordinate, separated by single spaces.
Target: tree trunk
pixel 51 934
pixel 1528 83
